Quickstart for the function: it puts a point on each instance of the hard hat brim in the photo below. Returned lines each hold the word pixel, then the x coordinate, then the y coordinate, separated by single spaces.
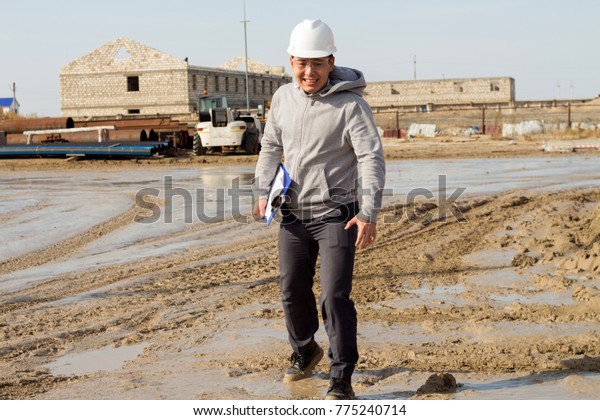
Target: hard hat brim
pixel 310 53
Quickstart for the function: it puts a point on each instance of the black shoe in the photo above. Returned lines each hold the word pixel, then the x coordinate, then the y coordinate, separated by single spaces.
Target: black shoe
pixel 303 364
pixel 340 389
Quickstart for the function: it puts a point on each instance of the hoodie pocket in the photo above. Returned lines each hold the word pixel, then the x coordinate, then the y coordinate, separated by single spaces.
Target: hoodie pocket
pixel 313 187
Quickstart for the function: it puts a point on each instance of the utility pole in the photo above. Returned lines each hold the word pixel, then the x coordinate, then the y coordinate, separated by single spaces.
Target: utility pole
pixel 483 119
pixel 557 90
pixel 14 91
pixel 246 52
pixel 572 89
pixel 415 67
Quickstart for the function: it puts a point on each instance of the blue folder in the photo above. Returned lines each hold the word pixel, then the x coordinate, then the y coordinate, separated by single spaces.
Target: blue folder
pixel 277 192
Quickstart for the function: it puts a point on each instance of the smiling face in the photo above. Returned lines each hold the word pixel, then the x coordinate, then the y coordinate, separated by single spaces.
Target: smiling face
pixel 311 74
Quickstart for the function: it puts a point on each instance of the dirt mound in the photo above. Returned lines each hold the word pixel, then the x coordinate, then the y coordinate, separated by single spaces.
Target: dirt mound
pixel 590 232
pixel 585 256
pixel 439 383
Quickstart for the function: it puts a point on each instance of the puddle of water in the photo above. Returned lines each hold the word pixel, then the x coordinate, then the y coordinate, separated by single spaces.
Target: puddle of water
pixel 543 386
pixel 56 216
pixel 438 291
pixel 550 298
pixel 475 386
pixel 488 176
pixel 105 359
pixel 491 258
pixel 477 332
pixel 118 248
pixel 505 278
pixel 431 296
pixel 518 286
pixel 63 206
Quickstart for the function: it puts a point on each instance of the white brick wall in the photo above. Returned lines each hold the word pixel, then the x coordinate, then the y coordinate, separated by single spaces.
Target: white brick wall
pixel 441 92
pixel 96 83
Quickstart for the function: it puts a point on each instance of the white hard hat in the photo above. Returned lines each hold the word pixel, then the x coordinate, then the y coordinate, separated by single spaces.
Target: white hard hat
pixel 311 39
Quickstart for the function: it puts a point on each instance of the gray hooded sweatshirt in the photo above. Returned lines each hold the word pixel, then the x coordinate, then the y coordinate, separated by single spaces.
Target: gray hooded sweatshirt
pixel 324 138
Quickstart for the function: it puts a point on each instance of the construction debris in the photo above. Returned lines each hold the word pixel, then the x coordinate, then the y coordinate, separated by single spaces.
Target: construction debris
pixel 570 145
pixel 421 130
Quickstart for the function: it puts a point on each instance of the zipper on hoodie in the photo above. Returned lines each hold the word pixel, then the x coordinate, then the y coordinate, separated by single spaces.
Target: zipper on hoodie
pixel 307 104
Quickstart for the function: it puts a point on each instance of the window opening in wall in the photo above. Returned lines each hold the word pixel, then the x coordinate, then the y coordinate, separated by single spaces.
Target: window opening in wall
pixel 194 84
pixel 122 54
pixel 133 83
pixel 226 84
pixel 237 84
pixel 494 87
pixel 133 111
pixel 262 88
pixel 458 87
pixel 216 83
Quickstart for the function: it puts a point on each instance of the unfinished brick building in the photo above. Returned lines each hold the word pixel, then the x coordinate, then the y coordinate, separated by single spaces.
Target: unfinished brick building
pixel 125 77
pixel 427 94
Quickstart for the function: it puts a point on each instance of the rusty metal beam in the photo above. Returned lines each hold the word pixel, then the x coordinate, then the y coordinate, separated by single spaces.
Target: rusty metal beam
pixel 31 124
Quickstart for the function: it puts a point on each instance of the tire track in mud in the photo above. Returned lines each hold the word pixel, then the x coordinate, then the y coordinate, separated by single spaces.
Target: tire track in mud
pixel 8 216
pixel 436 248
pixel 436 245
pixel 77 282
pixel 426 243
pixel 431 255
pixel 68 246
pixel 193 262
pixel 165 305
pixel 179 299
pixel 154 324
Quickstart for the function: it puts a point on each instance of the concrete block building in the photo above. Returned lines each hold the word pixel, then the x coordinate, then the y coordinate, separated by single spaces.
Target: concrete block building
pixel 427 94
pixel 125 77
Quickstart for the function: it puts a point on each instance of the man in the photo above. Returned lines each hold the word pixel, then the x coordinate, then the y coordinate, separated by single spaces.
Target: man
pixel 324 129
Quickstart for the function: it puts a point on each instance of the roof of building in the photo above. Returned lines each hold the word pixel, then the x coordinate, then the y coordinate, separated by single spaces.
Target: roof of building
pixel 6 102
pixel 123 54
pixel 254 66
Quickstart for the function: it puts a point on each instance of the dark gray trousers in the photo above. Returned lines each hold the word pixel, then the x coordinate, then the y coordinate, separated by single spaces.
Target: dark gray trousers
pixel 299 246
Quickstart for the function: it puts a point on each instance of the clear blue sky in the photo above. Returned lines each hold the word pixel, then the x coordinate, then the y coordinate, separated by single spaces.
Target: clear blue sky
pixel 543 44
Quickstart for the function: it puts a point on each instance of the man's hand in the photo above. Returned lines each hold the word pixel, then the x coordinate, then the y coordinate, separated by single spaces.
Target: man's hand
pixel 259 208
pixel 367 232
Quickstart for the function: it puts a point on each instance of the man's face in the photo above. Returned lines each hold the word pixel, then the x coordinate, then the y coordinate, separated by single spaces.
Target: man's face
pixel 311 74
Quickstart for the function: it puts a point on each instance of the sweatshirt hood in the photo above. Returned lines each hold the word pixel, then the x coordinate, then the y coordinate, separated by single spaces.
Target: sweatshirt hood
pixel 345 79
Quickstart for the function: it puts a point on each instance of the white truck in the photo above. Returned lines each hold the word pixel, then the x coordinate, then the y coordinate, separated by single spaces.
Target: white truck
pixel 222 129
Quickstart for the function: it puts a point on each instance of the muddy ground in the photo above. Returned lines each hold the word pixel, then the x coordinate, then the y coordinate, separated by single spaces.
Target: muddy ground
pixel 500 288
